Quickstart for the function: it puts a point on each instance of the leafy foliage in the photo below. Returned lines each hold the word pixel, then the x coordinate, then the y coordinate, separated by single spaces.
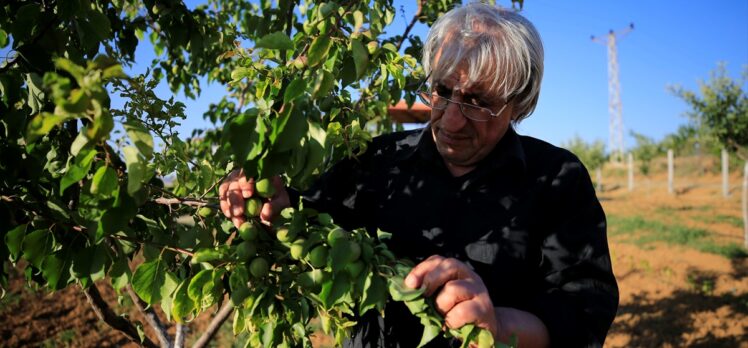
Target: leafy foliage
pixel 592 154
pixel 720 109
pixel 646 149
pixel 86 188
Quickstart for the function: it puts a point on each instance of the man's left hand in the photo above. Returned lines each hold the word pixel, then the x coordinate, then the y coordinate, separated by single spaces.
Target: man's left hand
pixel 463 298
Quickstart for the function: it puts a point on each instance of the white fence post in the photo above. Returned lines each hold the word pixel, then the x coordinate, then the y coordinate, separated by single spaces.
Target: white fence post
pixel 745 205
pixel 631 172
pixel 670 174
pixel 725 174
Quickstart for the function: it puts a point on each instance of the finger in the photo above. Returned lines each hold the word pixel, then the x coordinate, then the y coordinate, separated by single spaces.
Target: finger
pixel 454 292
pixel 236 201
pixel 238 220
pixel 247 186
pixel 465 312
pixel 225 207
pixel 415 277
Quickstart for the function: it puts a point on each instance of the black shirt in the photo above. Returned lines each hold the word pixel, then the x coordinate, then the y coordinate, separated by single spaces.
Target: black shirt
pixel 526 219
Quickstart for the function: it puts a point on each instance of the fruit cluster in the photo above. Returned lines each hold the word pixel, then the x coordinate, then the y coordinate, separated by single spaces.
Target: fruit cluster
pixel 280 277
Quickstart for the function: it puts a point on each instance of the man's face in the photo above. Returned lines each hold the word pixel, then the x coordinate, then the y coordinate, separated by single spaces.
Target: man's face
pixel 463 142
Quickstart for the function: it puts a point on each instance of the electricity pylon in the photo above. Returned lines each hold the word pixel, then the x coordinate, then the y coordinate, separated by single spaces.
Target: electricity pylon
pixel 615 107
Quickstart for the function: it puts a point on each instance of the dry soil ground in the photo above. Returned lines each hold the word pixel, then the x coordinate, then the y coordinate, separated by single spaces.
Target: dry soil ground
pixel 676 257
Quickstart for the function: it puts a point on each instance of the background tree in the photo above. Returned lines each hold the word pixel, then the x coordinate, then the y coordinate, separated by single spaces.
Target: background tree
pixel 592 155
pixel 721 110
pixel 83 189
pixel 645 150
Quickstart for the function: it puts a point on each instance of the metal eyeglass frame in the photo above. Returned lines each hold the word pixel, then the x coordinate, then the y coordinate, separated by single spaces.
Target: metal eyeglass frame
pixel 425 96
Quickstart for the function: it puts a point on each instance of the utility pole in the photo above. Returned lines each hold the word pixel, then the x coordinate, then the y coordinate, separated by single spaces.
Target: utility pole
pixel 615 107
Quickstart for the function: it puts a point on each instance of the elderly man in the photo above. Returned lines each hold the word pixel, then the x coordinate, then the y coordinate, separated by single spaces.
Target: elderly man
pixel 507 228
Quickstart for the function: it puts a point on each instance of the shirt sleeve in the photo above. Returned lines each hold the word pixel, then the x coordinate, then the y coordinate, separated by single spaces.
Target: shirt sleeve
pixel 577 297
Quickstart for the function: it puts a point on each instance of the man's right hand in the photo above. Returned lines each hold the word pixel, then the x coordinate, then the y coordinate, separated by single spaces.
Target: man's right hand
pixel 237 188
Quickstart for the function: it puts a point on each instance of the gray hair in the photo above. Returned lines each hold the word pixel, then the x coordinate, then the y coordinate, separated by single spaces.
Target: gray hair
pixel 499 46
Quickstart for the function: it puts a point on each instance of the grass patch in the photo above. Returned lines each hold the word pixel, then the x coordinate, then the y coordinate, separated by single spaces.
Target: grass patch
pixel 723 219
pixel 644 232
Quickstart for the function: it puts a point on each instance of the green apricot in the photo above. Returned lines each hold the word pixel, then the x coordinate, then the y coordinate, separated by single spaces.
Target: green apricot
pixel 265 188
pixel 253 207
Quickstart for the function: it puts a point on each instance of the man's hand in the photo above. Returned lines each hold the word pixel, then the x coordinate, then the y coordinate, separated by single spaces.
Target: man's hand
pixel 463 298
pixel 237 188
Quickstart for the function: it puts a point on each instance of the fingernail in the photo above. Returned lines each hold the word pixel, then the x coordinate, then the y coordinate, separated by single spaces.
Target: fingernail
pixel 411 281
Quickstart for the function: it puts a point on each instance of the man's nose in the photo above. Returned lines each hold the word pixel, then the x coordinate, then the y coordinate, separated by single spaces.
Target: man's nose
pixel 453 120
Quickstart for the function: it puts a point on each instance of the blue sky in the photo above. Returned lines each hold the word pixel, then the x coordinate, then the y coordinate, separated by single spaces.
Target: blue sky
pixel 674 42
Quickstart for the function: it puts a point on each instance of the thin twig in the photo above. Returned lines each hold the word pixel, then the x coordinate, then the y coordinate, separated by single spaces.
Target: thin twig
pixel 215 324
pixel 412 23
pixel 192 202
pixel 175 249
pixel 102 310
pixel 150 317
pixel 179 336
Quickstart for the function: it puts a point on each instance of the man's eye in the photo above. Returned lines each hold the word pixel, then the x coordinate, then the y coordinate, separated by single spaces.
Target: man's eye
pixel 443 91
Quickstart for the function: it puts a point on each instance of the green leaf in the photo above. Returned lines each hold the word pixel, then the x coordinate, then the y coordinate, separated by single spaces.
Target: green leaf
pixel 417 306
pixel 167 289
pixel 36 95
pixel 14 240
pixel 77 170
pixel 360 57
pixel 195 290
pixel 73 69
pixel 374 294
pixel 358 20
pixel 318 50
pixel 324 82
pixel 37 245
pixel 42 124
pixel 120 273
pixel 246 135
pixel 148 279
pixel 90 264
pixel 275 41
pixel 288 129
pixel 401 292
pixel 104 182
pixel 56 269
pixel 100 25
pixel 141 138
pixel 348 72
pixel 294 90
pixel 136 169
pixel 182 304
pixel 3 38
pixel 431 329
pixel 334 289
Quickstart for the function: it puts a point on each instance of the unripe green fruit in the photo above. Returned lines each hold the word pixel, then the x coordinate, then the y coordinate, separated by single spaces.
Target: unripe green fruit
pixel 285 235
pixel 245 251
pixel 265 188
pixel 324 219
pixel 205 212
pixel 312 280
pixel 355 250
pixel 336 235
pixel 367 252
pixel 318 256
pixel 259 267
pixel 253 207
pixel 355 268
pixel 297 249
pixel 249 231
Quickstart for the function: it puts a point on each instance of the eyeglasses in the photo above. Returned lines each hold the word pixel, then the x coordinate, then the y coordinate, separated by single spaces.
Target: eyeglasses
pixel 471 111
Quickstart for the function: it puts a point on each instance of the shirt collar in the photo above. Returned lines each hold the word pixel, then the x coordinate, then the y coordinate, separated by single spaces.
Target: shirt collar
pixel 422 143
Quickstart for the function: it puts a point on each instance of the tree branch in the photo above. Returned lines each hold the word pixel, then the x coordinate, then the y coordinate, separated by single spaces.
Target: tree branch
pixel 193 202
pixel 412 23
pixel 215 324
pixel 102 310
pixel 150 317
pixel 179 336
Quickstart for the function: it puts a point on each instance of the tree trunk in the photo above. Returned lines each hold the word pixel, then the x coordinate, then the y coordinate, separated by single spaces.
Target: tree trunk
pixel 599 175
